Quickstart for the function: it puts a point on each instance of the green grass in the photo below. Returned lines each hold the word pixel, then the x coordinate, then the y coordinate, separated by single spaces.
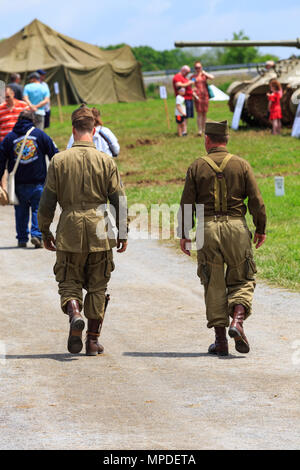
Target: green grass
pixel 279 258
pixel 153 163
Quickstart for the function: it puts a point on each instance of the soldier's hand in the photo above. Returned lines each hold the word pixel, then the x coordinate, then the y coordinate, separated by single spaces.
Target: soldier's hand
pixel 121 246
pixel 259 239
pixel 183 242
pixel 49 244
pixel 3 197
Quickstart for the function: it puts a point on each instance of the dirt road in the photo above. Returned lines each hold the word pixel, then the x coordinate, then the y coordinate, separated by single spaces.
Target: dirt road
pixel 155 387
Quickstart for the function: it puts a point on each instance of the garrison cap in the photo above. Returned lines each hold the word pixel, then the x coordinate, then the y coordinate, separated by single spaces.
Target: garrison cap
pixel 82 115
pixel 217 128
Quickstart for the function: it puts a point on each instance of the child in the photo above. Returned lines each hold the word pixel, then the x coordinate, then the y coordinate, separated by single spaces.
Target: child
pixel 180 111
pixel 274 105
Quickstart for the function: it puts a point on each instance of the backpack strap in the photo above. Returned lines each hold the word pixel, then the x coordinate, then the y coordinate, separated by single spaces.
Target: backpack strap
pixel 21 151
pixel 220 182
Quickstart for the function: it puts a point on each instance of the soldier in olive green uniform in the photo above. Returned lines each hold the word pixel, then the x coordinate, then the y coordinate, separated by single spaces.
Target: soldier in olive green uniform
pixel 221 182
pixel 82 180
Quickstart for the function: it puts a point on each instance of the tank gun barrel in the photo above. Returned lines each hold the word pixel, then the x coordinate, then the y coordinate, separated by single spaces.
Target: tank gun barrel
pixel 238 43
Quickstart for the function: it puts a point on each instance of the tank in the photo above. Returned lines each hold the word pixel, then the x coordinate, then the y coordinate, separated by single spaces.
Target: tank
pixel 286 71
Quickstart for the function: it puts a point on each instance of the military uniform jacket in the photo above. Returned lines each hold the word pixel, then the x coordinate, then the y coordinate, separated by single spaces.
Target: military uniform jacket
pixel 240 182
pixel 82 180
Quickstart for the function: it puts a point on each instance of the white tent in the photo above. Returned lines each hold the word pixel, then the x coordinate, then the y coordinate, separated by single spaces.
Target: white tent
pixel 219 94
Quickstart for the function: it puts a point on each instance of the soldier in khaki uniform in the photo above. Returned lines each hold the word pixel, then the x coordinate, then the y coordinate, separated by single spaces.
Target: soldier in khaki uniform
pixel 82 180
pixel 221 182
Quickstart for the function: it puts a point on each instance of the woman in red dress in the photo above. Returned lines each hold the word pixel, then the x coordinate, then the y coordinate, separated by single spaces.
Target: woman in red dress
pixel 200 78
pixel 274 105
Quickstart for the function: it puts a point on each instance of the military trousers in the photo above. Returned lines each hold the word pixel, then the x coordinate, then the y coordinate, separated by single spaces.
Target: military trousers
pixel 226 268
pixel 90 271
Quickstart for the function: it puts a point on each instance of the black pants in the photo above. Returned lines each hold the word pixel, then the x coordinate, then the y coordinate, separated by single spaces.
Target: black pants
pixel 47 119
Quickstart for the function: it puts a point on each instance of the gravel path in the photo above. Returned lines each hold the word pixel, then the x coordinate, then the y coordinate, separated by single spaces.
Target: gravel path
pixel 155 387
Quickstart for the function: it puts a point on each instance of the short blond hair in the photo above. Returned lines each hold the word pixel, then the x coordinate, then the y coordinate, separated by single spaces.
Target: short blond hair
pixel 83 119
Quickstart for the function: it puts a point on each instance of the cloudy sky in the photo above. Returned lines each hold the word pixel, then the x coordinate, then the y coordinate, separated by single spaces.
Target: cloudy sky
pixel 157 23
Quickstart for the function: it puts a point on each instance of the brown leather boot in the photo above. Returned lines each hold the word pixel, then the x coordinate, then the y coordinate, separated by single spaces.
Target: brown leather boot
pixel 220 346
pixel 92 347
pixel 236 330
pixel 76 326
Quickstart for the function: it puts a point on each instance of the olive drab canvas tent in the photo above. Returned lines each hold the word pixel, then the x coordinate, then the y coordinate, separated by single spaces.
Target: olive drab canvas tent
pixel 85 73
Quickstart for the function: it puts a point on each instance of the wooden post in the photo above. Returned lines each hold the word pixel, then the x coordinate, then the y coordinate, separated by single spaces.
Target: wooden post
pixel 167 113
pixel 59 108
pixel 163 95
pixel 56 91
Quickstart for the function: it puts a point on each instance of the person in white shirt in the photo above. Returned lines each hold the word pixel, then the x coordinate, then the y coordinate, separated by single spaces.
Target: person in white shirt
pixel 104 139
pixel 180 111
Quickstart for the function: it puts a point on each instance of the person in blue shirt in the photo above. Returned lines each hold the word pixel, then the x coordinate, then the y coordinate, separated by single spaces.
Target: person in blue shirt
pixel 31 173
pixel 37 97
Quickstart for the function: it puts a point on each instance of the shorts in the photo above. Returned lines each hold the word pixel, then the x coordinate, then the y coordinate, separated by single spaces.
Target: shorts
pixel 180 119
pixel 189 104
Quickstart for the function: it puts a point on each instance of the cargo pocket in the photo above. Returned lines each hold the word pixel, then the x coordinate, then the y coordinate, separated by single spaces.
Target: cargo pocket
pixel 59 270
pixel 202 271
pixel 250 266
pixel 109 265
pixel 72 272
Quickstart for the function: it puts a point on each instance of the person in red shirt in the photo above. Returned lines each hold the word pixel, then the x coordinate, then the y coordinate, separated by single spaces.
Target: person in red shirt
pixel 274 105
pixel 9 113
pixel 180 80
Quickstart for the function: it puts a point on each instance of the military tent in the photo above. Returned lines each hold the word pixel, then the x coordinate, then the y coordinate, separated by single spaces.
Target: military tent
pixel 85 73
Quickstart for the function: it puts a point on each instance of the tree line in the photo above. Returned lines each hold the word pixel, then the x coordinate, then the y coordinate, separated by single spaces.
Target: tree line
pixel 152 59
